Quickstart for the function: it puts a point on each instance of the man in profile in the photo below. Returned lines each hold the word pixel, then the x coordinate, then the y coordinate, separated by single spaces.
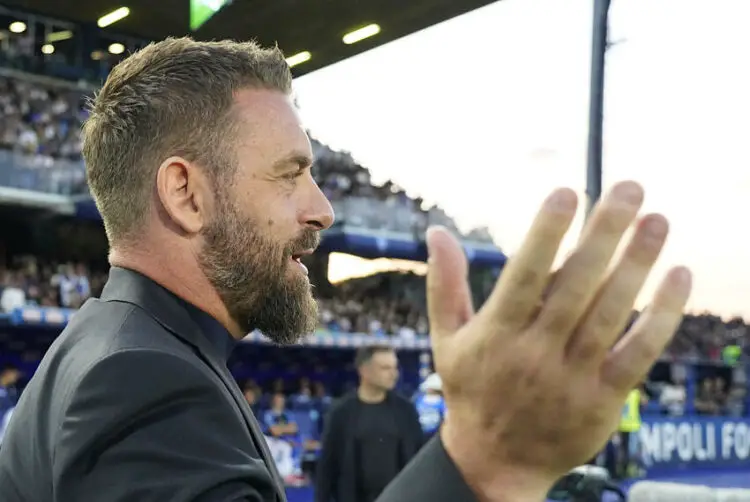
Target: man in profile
pixel 370 435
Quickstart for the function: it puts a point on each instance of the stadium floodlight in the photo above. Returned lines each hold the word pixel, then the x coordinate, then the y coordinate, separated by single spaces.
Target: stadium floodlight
pixel 58 36
pixel 113 17
pixel 17 27
pixel 116 48
pixel 358 35
pixel 48 49
pixel 299 58
pixel 203 10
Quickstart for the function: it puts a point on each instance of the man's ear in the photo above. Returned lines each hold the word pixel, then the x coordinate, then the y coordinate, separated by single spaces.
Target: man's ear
pixel 184 193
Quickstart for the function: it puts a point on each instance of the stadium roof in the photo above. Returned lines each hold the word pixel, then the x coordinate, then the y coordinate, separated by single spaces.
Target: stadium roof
pixel 297 25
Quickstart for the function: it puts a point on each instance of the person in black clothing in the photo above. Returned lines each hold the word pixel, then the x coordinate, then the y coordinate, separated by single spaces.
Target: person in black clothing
pixel 369 435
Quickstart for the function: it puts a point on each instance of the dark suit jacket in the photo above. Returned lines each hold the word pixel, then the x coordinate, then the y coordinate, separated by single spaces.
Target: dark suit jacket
pixel 134 403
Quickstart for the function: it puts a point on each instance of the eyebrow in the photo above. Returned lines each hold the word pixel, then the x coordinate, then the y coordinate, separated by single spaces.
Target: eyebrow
pixel 293 159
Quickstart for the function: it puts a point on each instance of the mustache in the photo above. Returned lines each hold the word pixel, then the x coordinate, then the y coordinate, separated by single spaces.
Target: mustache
pixel 309 239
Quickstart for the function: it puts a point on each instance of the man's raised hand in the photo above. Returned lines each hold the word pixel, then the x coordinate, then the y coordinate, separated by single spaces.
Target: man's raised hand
pixel 536 380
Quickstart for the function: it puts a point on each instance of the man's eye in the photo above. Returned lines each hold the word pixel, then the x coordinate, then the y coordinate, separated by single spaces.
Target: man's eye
pixel 294 174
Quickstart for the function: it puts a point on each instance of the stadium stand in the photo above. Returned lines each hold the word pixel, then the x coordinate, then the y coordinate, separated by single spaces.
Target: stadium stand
pixel 54 258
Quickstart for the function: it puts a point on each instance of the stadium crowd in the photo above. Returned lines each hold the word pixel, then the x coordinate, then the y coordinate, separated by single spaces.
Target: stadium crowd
pixel 41 123
pixel 41 128
pixel 387 304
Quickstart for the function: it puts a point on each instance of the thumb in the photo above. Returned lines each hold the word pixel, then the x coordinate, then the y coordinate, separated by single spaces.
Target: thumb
pixel 449 303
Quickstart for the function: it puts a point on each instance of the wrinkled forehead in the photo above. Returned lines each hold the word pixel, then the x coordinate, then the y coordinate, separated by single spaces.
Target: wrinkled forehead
pixel 269 125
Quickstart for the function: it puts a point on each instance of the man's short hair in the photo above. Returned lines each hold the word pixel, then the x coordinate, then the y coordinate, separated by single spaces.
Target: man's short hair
pixel 173 97
pixel 366 353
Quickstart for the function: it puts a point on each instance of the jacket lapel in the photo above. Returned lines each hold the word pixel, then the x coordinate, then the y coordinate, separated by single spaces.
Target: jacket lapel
pixel 252 423
pixel 132 287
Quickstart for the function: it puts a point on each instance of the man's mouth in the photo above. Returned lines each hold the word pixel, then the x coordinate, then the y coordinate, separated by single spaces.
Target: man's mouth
pixel 297 259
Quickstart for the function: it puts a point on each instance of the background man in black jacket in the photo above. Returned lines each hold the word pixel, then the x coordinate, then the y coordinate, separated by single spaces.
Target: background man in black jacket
pixel 200 168
pixel 370 434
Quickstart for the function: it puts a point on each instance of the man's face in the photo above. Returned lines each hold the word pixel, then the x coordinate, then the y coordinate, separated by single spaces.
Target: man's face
pixel 266 219
pixel 382 370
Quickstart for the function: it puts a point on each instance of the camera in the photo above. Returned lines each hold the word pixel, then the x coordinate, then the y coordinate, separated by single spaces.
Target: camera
pixel 587 483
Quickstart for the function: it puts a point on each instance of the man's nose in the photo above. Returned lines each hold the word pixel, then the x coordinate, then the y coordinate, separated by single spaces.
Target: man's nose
pixel 320 215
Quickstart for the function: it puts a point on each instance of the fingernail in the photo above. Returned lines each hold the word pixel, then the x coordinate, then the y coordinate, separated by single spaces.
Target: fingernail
pixel 655 226
pixel 682 277
pixel 628 191
pixel 562 200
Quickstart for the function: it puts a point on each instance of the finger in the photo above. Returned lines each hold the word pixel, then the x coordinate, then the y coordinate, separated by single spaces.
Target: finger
pixel 525 276
pixel 634 355
pixel 582 273
pixel 449 302
pixel 613 304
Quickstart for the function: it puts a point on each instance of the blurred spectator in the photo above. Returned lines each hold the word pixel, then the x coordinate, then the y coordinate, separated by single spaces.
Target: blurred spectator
pixel 9 377
pixel 251 391
pixel 278 422
pixel 303 398
pixel 706 402
pixel 282 437
pixel 13 295
pixel 430 405
pixel 673 397
pixel 737 395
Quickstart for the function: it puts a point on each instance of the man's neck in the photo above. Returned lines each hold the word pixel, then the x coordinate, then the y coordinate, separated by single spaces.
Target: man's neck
pixel 369 394
pixel 185 280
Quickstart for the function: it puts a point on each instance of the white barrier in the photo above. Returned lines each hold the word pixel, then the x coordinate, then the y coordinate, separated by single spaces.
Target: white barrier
pixel 651 491
pixel 732 495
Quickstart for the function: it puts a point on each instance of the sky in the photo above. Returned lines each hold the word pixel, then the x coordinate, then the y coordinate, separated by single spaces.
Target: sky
pixel 487 113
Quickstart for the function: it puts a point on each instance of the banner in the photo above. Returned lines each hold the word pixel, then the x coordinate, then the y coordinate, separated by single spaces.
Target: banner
pixel 669 444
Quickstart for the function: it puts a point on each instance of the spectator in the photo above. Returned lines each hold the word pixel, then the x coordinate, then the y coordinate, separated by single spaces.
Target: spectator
pixel 281 435
pixel 9 377
pixel 431 405
pixel 303 398
pixel 252 395
pixel 705 400
pixel 13 296
pixel 737 396
pixel 673 397
pixel 720 394
pixel 278 422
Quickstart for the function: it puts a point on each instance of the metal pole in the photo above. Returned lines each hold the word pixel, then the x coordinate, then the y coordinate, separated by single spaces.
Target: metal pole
pixel 599 46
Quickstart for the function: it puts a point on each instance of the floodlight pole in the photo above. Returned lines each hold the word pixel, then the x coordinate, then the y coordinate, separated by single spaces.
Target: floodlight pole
pixel 599 45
